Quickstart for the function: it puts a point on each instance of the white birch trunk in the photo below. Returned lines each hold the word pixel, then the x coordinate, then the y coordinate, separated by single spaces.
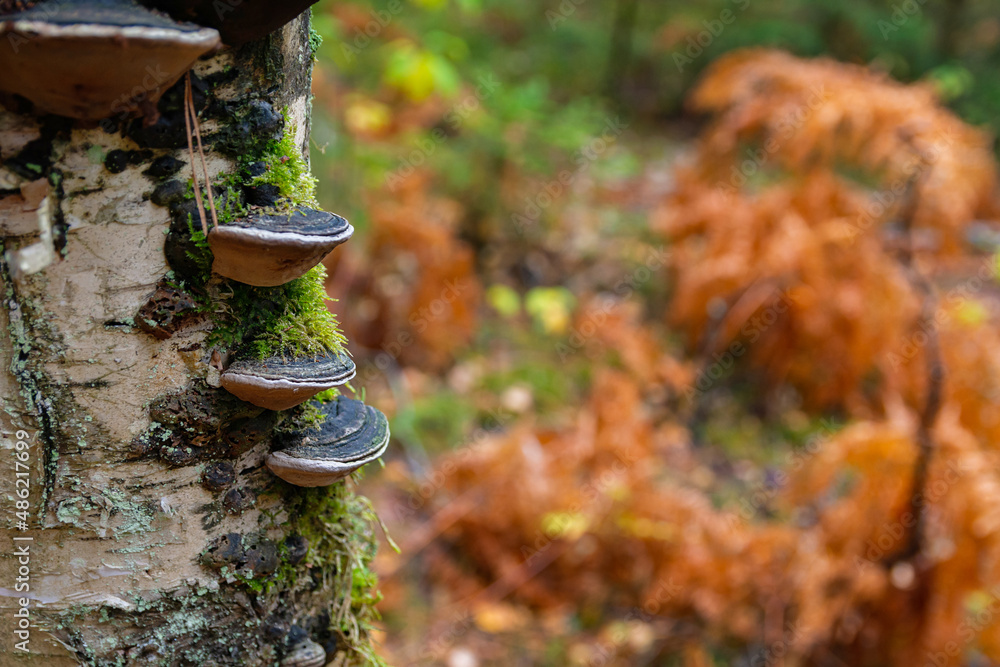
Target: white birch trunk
pixel 114 576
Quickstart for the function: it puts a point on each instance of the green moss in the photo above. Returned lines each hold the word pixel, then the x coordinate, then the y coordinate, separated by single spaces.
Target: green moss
pixel 291 320
pixel 287 169
pixel 307 415
pixel 284 167
pixel 232 207
pixel 340 527
pixel 315 40
pixel 255 584
pixel 200 255
pixel 288 321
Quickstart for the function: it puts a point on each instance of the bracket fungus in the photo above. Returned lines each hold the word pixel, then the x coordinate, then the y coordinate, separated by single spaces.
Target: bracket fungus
pixel 352 435
pixel 238 21
pixel 271 249
pixel 92 59
pixel 280 384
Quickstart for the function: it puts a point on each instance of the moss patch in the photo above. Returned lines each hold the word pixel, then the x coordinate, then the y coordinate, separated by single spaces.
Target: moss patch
pixel 340 527
pixel 284 166
pixel 287 169
pixel 289 321
pixel 308 415
pixel 315 41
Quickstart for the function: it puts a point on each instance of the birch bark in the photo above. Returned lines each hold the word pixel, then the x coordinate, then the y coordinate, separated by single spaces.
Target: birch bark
pixel 112 563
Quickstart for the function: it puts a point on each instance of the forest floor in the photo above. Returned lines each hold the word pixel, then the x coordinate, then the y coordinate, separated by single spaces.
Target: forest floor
pixel 517 370
pixel 673 404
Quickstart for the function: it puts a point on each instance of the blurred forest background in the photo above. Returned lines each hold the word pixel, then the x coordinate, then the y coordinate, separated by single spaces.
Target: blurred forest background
pixel 686 319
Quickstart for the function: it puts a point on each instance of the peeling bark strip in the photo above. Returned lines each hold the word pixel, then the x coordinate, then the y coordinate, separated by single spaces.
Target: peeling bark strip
pixel 153 532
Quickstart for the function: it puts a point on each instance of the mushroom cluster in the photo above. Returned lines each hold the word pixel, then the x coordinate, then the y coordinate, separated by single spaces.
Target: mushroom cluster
pixel 98 59
pixel 128 62
pixel 269 373
pixel 285 342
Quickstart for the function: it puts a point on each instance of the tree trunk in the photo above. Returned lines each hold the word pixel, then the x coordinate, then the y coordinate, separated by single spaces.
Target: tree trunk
pixel 130 553
pixel 620 52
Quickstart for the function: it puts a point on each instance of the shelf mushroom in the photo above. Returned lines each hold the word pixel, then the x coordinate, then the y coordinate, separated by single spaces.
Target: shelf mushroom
pixel 271 249
pixel 352 435
pixel 237 22
pixel 91 59
pixel 279 384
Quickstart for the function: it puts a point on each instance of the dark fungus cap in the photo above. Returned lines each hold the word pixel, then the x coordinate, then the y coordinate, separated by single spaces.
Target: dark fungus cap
pixel 94 59
pixel 238 21
pixel 280 384
pixel 351 435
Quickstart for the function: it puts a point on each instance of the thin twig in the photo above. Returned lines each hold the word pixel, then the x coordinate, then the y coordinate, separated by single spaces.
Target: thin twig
pixel 201 152
pixel 188 105
pixel 934 365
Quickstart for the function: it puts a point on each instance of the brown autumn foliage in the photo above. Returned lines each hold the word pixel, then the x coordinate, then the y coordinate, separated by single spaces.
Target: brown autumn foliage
pixel 839 556
pixel 615 324
pixel 764 212
pixel 970 347
pixel 800 115
pixel 816 303
pixel 602 509
pixel 416 289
